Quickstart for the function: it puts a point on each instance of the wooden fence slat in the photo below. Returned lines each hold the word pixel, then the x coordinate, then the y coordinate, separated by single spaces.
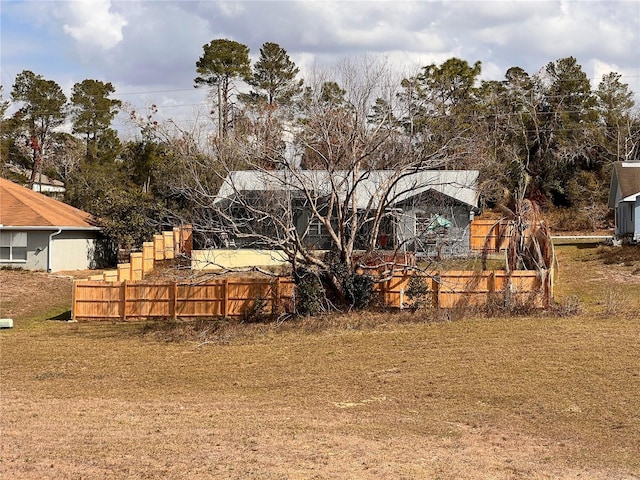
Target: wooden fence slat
pixel 169 251
pixel 158 247
pixel 148 257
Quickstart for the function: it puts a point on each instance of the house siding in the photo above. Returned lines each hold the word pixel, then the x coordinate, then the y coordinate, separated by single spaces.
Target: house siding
pixel 628 219
pixel 71 250
pixel 636 217
pixel 74 250
pixel 624 198
pixel 37 251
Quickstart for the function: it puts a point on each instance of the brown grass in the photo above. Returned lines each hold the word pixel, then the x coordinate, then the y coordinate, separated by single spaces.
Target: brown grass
pixel 364 396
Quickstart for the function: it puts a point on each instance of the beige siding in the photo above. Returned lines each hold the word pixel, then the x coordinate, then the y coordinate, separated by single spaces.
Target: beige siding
pixel 73 251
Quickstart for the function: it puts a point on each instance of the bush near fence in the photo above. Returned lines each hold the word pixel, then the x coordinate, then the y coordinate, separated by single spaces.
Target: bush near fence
pixel 235 296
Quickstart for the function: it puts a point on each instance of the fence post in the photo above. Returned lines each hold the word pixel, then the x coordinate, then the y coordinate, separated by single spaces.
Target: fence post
pixel 173 301
pixel 168 244
pixel 225 301
pixel 491 285
pixel 275 302
pixel 123 286
pixel 158 247
pixel 177 241
pixel 137 268
pixel 148 257
pixel 436 290
pixel 73 300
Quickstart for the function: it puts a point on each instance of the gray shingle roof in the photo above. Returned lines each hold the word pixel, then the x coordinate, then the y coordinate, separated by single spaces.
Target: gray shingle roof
pixel 371 186
pixel 626 181
pixel 628 178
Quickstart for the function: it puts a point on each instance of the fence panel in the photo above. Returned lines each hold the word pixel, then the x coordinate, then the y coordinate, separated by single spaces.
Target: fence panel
pixel 96 299
pixel 201 300
pixel 485 233
pixel 244 293
pixel 456 288
pixel 148 300
pixel 525 287
pixel 234 296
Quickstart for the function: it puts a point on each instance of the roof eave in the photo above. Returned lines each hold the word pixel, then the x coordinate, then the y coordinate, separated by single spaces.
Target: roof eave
pixel 49 227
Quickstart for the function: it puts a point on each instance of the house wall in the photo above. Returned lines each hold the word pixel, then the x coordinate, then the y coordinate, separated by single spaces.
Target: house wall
pixel 627 218
pixel 70 250
pixel 241 258
pixel 636 224
pixel 74 250
pixel 37 251
pixel 457 238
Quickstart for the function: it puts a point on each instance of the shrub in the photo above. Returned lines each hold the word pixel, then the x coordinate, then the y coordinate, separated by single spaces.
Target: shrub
pixel 256 311
pixel 417 292
pixel 359 290
pixel 309 292
pixel 568 307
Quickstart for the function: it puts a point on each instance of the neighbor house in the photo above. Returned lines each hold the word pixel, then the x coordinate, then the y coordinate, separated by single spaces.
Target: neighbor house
pixel 49 186
pixel 40 233
pixel 624 197
pixel 424 211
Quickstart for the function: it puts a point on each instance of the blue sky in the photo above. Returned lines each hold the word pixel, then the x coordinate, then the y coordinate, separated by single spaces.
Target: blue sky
pixel 148 49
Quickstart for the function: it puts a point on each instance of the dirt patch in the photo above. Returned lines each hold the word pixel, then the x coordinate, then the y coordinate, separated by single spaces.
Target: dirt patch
pixel 25 296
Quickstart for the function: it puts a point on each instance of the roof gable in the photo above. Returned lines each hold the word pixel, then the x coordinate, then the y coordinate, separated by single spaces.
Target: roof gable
pixel 21 207
pixel 625 182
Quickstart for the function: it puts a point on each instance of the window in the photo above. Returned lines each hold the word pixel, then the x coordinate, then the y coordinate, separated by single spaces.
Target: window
pixel 427 224
pixel 315 227
pixel 13 246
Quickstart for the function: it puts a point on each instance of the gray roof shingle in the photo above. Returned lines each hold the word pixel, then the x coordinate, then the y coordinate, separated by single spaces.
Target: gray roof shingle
pixel 371 186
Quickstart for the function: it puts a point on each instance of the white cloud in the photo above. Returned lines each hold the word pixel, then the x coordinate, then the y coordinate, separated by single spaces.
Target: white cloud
pixel 93 24
pixel 148 46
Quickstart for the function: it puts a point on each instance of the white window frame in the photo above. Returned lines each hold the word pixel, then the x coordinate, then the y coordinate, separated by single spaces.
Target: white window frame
pixel 316 227
pixel 14 240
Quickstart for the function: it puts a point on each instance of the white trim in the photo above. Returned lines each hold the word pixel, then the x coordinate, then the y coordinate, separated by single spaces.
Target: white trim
pixel 12 244
pixel 51 227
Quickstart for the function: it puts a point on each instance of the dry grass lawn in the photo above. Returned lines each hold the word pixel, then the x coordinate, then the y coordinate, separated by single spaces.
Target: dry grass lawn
pixel 372 396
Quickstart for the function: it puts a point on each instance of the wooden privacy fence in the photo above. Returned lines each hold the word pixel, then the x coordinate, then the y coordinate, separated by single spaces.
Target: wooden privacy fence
pixel 236 297
pixel 227 297
pixel 165 246
pixel 457 288
pixel 492 234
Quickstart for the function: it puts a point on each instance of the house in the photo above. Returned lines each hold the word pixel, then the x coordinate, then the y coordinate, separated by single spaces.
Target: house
pixel 40 233
pixel 51 187
pixel 42 183
pixel 424 211
pixel 624 197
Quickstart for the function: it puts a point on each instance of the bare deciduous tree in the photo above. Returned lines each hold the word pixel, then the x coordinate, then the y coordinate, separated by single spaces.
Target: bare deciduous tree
pixel 364 170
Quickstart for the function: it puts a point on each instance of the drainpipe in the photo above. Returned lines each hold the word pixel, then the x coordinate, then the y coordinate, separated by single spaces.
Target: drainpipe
pixel 49 249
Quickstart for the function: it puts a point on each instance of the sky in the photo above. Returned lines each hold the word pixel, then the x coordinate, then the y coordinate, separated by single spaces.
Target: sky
pixel 148 49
